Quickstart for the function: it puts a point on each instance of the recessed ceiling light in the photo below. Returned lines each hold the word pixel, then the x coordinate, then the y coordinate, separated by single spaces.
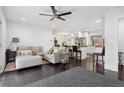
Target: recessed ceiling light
pixel 23 18
pixel 99 21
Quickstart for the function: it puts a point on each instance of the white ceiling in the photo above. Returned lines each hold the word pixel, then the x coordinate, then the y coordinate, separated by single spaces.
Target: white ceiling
pixel 82 17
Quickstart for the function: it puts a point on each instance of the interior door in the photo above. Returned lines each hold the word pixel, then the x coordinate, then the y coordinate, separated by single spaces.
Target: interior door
pixel 0 44
pixel 0 33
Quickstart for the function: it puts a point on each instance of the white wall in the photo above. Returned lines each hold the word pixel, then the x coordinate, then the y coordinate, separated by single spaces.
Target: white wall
pixel 0 33
pixel 0 47
pixel 3 40
pixel 121 35
pixel 29 35
pixel 111 38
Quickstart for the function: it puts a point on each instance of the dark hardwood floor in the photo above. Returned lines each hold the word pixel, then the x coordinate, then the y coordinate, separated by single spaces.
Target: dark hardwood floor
pixel 25 76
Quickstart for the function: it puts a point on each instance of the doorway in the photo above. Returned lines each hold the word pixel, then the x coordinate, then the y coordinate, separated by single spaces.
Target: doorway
pixel 121 49
pixel 0 45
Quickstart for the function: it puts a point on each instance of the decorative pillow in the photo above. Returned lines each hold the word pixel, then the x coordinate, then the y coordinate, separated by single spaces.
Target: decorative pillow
pixel 24 52
pixel 40 53
pixel 51 50
pixel 56 49
pixel 28 52
pixel 34 53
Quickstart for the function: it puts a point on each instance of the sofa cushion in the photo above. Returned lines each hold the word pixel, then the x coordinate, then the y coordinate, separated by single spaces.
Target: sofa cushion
pixel 24 52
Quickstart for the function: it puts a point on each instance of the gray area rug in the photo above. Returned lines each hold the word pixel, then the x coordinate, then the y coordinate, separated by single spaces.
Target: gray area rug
pixel 77 77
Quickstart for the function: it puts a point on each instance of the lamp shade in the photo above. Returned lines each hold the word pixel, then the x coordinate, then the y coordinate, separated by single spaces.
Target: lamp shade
pixel 15 40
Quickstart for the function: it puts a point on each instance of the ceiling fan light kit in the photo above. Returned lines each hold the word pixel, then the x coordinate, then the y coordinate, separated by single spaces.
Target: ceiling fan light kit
pixel 56 15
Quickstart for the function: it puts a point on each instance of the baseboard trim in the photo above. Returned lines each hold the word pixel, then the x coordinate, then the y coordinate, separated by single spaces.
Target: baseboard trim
pixel 108 67
pixel 3 68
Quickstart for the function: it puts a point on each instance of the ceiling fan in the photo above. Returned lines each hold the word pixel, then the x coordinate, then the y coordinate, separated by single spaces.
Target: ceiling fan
pixel 56 15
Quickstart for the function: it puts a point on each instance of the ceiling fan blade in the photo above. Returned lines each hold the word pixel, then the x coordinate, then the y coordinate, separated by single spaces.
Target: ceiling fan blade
pixel 51 19
pixel 61 18
pixel 45 14
pixel 54 10
pixel 66 13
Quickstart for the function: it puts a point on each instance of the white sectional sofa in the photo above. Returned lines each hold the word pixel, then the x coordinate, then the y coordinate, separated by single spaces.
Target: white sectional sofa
pixel 28 61
pixel 28 56
pixel 53 56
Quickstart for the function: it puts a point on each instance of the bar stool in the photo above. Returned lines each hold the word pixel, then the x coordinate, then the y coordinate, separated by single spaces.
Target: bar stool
pixel 64 58
pixel 97 55
pixel 77 52
pixel 70 53
pixel 78 55
pixel 120 58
